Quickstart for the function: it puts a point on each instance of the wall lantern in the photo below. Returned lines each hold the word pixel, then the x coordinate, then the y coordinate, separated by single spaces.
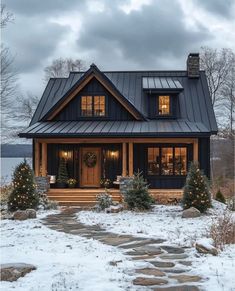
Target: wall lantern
pixel 66 155
pixel 114 154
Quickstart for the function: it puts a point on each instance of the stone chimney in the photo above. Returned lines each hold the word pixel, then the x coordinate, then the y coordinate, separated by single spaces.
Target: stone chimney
pixel 193 65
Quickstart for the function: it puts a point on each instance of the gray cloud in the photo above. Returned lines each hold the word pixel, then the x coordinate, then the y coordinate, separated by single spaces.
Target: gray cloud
pixel 35 7
pixel 33 41
pixel 219 7
pixel 143 36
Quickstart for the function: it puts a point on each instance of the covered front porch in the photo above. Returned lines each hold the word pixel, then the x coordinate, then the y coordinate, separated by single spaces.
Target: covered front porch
pixel 163 161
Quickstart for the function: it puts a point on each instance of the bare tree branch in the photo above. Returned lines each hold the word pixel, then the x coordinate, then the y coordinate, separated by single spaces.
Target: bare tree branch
pixel 62 67
pixel 6 16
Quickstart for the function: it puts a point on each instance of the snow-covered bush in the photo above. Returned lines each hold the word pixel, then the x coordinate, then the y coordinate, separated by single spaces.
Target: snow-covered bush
pixel 222 230
pixel 231 203
pixel 46 203
pixel 137 196
pixel 104 200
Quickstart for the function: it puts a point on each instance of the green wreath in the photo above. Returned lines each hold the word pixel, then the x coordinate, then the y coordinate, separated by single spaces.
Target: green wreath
pixel 90 159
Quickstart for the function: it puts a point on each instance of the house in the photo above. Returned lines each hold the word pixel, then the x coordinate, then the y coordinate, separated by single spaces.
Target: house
pixel 107 124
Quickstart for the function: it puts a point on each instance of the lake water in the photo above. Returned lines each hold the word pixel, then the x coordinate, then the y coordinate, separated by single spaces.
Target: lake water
pixel 7 167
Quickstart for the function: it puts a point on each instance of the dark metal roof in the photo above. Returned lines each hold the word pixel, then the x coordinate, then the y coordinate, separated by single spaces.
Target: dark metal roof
pixel 194 100
pixel 115 128
pixel 165 83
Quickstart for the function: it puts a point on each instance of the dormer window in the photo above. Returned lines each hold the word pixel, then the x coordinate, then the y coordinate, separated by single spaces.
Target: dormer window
pixel 164 105
pixel 93 106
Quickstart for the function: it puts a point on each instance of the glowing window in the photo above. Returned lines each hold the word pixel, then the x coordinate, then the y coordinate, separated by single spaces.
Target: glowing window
pixel 163 105
pixel 99 105
pixel 92 106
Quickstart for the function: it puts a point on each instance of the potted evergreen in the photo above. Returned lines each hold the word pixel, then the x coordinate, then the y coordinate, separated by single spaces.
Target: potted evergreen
pixel 72 183
pixel 62 174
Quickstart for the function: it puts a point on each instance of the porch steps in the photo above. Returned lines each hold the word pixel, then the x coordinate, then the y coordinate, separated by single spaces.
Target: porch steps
pixel 87 197
pixel 79 197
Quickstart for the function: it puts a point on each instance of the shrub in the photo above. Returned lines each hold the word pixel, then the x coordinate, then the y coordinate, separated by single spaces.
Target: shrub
pixel 24 194
pixel 222 230
pixel 196 190
pixel 63 172
pixel 104 200
pixel 137 196
pixel 46 203
pixel 220 197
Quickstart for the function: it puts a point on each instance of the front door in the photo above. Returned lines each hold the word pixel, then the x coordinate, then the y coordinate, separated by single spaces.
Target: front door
pixel 90 167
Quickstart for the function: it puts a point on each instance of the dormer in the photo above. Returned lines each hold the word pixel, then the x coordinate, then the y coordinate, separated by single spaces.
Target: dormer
pixel 162 95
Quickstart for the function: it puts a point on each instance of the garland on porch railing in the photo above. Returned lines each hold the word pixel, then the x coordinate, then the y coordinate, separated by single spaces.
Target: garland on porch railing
pixel 90 159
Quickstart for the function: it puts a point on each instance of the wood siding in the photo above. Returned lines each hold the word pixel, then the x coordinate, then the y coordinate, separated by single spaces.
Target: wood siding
pixel 114 110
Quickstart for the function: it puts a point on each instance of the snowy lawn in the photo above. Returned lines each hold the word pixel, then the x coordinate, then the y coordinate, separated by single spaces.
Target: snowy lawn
pixel 63 261
pixel 166 222
pixel 162 222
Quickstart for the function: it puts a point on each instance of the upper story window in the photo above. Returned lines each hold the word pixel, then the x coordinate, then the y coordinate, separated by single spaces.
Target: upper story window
pixel 93 106
pixel 163 105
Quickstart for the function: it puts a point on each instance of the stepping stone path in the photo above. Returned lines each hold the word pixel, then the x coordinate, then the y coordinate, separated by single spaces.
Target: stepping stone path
pixel 162 265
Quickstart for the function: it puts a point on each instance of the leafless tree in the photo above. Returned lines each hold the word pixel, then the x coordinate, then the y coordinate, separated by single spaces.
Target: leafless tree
pixel 26 107
pixel 62 67
pixel 217 65
pixel 6 16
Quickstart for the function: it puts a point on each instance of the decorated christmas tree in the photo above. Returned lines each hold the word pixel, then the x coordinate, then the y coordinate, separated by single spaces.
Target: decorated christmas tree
pixel 24 194
pixel 137 196
pixel 196 190
pixel 63 172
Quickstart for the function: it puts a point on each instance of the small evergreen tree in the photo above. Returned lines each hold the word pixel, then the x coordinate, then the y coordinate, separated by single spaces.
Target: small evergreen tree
pixel 24 194
pixel 137 196
pixel 196 190
pixel 63 172
pixel 220 197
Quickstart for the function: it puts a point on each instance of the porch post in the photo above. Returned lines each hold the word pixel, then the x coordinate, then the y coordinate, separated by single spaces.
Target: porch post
pixel 124 159
pixel 195 151
pixel 131 159
pixel 44 159
pixel 37 158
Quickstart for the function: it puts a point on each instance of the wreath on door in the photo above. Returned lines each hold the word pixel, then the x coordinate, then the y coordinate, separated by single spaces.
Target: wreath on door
pixel 90 159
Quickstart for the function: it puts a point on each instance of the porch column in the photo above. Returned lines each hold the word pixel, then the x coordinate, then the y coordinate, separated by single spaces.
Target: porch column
pixel 44 159
pixel 131 159
pixel 195 151
pixel 37 158
pixel 124 159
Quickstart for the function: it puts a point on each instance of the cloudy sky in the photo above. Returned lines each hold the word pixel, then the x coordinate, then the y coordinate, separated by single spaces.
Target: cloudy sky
pixel 114 34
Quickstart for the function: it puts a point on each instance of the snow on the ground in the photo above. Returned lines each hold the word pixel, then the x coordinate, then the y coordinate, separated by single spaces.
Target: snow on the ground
pixel 166 222
pixel 163 222
pixel 63 261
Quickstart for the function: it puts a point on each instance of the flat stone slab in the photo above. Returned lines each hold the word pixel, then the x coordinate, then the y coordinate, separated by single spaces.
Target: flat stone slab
pixel 175 271
pixel 150 272
pixel 173 250
pixel 162 264
pixel 141 242
pixel 178 288
pixel 185 263
pixel 186 278
pixel 115 241
pixel 152 250
pixel 149 281
pixel 174 257
pixel 12 272
pixel 143 258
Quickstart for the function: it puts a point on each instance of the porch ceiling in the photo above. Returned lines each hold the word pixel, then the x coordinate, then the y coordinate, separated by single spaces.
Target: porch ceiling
pixel 151 128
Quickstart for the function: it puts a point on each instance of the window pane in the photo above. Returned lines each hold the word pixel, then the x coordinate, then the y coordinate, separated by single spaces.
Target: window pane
pixel 99 105
pixel 153 161
pixel 86 106
pixel 167 161
pixel 164 105
pixel 180 161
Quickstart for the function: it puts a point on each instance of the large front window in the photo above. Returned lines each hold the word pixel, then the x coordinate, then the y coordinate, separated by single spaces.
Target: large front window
pixel 167 161
pixel 93 106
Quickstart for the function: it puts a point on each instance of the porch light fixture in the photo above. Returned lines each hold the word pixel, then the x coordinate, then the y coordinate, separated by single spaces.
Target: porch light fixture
pixel 114 154
pixel 66 155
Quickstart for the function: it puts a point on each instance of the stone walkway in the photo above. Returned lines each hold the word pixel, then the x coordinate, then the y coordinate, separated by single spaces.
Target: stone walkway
pixel 166 266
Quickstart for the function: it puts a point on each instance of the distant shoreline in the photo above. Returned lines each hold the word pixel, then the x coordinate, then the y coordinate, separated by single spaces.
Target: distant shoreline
pixel 16 151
